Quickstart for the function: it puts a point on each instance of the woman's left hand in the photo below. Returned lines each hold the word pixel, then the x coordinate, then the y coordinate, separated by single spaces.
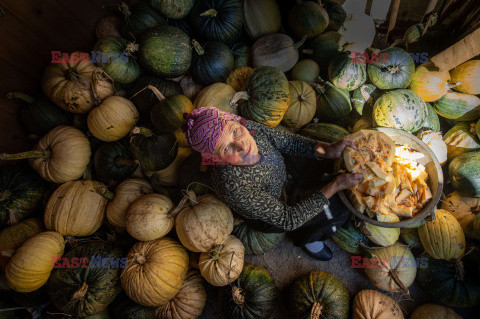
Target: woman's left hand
pixel 333 150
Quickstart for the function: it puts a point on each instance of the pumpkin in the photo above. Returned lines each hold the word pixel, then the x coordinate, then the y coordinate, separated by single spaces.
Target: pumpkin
pixel 189 302
pixel 468 74
pixel 318 294
pixel 76 87
pixel 432 121
pixel 464 174
pixel 435 142
pixel 358 31
pixel 156 271
pixel 77 208
pixel 39 115
pixel 14 236
pixel 30 267
pixel 394 69
pixel 108 27
pixel 252 295
pixel 347 73
pixel 126 193
pixel 218 20
pixel 305 70
pixel 165 51
pixel 400 109
pixel 86 288
pixel 364 98
pixel 464 209
pixel 394 268
pixel 434 311
pixel 350 239
pixel 193 175
pixel 115 56
pixel 308 19
pixel 333 103
pixel 303 105
pixel 410 237
pixel 458 106
pixel 190 87
pixel 276 50
pixel 212 62
pixel 167 114
pixel 124 308
pixel 154 152
pixel 170 176
pixel 382 236
pixel 429 82
pixel 261 17
pixel 206 222
pixel 324 47
pixel 60 156
pixel 21 191
pixel 149 217
pixel 460 140
pixel 266 98
pixel 450 283
pixel 173 9
pixel 140 17
pixel 336 14
pixel 241 54
pixel 256 242
pixel 238 78
pixel 223 263
pixel 372 304
pixel 363 123
pixel 113 161
pixel 324 132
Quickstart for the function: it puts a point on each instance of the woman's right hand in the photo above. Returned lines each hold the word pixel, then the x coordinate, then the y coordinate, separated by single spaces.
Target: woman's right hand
pixel 347 181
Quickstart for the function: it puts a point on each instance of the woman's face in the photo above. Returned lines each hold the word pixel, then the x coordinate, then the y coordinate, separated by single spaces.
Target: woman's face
pixel 236 145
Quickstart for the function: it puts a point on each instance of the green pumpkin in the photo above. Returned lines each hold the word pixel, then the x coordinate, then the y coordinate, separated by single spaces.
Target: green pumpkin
pixel 305 70
pixel 410 237
pixel 124 308
pixel 113 161
pixel 432 122
pixel 165 51
pixel 401 109
pixel 144 98
pixel 460 139
pixel 364 99
pixel 218 20
pixel 394 69
pixel 333 103
pixel 139 18
pixel 346 72
pixel 256 242
pixel 194 175
pixel 450 283
pixel 114 56
pixel 154 152
pixel 464 172
pixel 212 62
pixel 318 294
pixel 308 19
pixel 325 132
pixel 413 33
pixel 266 98
pixel 324 47
pixel 350 239
pixel 252 296
pixel 21 192
pixel 241 54
pixel 81 291
pixel 39 115
pixel 336 14
pixel 167 115
pixel 173 9
pixel 458 106
pixel 14 236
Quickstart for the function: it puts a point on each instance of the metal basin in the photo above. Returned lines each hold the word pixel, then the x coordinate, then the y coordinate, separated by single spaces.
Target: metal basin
pixel 432 167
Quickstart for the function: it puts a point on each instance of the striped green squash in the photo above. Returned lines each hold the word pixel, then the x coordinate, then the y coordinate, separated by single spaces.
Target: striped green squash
pixel 394 69
pixel 256 242
pixel 458 106
pixel 324 47
pixel 325 132
pixel 364 98
pixel 350 239
pixel 346 72
pixel 333 103
pixel 410 237
pixel 464 172
pixel 401 109
pixel 336 14
pixel 432 122
pixel 460 139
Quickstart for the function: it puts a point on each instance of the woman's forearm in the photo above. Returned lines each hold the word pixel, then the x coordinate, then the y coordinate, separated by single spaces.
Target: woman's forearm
pixel 329 190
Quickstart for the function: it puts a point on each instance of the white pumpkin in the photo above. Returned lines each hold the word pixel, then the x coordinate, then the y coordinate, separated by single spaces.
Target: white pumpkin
pixel 358 31
pixel 434 140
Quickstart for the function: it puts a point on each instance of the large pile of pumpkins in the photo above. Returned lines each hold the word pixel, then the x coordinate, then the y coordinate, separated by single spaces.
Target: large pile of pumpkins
pixel 115 199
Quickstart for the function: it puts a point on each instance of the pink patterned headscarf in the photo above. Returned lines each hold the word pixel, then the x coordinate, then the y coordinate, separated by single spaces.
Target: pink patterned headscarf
pixel 204 126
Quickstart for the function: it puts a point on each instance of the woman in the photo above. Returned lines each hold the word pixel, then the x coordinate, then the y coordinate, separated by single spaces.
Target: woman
pixel 250 173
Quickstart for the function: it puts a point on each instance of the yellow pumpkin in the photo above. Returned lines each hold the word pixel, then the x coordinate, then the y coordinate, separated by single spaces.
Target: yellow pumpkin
pixel 205 223
pixel 303 105
pixel 181 137
pixel 149 217
pixel 170 176
pixel 77 208
pixel 468 74
pixel 126 193
pixel 435 141
pixel 429 82
pixel 223 263
pixel 464 209
pixel 382 236
pixel 189 302
pixel 218 95
pixel 113 119
pixel 238 78
pixel 156 271
pixel 443 238
pixel 30 267
pixel 372 304
pixel 434 311
pixel 76 87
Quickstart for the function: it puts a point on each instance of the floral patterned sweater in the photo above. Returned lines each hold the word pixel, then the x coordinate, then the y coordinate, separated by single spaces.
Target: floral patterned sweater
pixel 253 192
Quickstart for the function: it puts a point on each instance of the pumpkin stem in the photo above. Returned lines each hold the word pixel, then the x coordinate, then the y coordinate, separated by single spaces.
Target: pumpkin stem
pixel 472 130
pixel 393 69
pixel 393 274
pixel 71 74
pixel 5 194
pixel 316 310
pixel 102 190
pixel 140 259
pixel 300 43
pixel 126 162
pixel 346 46
pixel 319 88
pixel 453 85
pixel 24 155
pixel 80 293
pixel 157 92
pixel 21 96
pixel 238 296
pixel 131 47
pixel 142 130
pixel 188 195
pixel 301 98
pixel 198 48
pixel 242 95
pixel 307 51
pixel 210 12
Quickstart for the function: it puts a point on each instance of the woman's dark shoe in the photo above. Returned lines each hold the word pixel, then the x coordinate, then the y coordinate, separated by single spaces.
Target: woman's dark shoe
pixel 323 255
